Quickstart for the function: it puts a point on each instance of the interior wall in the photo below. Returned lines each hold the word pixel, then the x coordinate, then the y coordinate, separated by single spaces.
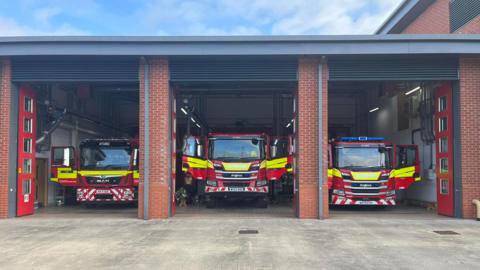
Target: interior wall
pixel 73 130
pixel 384 123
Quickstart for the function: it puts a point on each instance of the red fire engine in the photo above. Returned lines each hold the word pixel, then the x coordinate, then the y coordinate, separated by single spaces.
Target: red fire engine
pixel 369 170
pixel 104 170
pixel 231 165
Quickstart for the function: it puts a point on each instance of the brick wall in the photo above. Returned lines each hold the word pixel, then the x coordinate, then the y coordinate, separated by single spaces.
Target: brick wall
pixel 307 163
pixel 434 20
pixel 472 27
pixel 159 173
pixel 5 97
pixel 470 129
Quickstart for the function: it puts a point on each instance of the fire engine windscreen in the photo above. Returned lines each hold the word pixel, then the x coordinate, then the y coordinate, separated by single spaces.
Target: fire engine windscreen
pixel 362 158
pixel 236 149
pixel 105 157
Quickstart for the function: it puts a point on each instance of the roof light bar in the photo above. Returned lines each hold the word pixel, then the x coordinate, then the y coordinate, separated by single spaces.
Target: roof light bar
pixel 413 90
pixel 360 139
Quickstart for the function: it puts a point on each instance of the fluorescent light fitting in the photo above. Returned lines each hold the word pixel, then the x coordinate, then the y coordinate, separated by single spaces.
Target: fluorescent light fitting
pixel 374 109
pixel 184 111
pixel 289 124
pixel 413 90
pixel 198 125
pixel 193 120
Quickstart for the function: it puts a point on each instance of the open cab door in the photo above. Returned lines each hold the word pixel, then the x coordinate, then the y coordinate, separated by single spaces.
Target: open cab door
pixel 330 167
pixel 63 167
pixel 407 166
pixel 194 164
pixel 281 158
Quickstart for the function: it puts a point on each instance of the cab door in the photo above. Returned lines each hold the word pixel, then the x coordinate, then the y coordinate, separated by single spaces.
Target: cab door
pixel 194 164
pixel 26 151
pixel 63 167
pixel 407 166
pixel 280 159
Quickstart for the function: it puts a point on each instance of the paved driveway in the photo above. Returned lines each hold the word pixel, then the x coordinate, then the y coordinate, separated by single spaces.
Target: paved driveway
pixel 349 240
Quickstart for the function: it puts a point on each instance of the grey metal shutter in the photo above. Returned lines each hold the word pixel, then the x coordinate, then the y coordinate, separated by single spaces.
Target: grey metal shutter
pixel 230 69
pixel 463 11
pixel 75 69
pixel 393 69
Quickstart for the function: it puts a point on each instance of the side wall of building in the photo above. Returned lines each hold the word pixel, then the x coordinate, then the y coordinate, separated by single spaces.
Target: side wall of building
pixel 5 99
pixel 470 130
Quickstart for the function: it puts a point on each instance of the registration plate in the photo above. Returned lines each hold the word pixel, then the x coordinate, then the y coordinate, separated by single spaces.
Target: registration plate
pixel 235 189
pixel 366 202
pixel 103 191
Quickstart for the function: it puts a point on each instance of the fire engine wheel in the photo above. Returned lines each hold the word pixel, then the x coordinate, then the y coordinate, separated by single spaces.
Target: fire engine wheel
pixel 262 202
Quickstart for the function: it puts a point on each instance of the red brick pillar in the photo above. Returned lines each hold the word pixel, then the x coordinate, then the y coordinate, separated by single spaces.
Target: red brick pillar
pixel 159 133
pixel 470 130
pixel 5 98
pixel 308 137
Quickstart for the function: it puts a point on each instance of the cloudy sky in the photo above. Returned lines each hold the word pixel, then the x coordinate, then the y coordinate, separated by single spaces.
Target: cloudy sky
pixel 200 17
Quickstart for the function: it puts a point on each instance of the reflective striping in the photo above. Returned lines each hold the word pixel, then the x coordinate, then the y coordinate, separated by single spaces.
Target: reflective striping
pixel 403 172
pixel 197 163
pixel 365 194
pixel 380 187
pixel 236 189
pixel 236 166
pixel 118 194
pixel 278 163
pixel 339 200
pixel 365 181
pixel 365 175
pixel 337 173
pixel 66 173
pixel 106 173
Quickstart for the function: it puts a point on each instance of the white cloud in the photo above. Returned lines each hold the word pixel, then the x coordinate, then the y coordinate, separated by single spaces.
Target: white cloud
pixel 267 16
pixel 10 27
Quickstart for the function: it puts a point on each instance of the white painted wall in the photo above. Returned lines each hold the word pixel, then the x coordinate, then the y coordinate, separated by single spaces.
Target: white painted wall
pixel 384 123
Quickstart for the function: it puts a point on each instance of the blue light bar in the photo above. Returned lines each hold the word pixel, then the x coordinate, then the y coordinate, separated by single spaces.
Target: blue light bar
pixel 360 139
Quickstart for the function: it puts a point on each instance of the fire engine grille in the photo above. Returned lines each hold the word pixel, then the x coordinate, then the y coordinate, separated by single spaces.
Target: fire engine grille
pixel 103 180
pixel 236 184
pixel 370 187
pixel 238 176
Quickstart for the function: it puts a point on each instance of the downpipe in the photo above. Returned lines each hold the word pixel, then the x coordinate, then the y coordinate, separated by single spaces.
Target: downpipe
pixel 477 204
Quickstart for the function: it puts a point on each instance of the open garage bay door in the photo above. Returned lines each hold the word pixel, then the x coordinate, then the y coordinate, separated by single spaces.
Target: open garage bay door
pixel 393 69
pixel 75 69
pixel 233 69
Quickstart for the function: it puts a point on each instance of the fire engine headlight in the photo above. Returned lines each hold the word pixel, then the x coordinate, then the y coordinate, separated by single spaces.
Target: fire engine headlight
pixel 261 183
pixel 255 167
pixel 390 193
pixel 346 176
pixel 218 167
pixel 211 183
pixel 338 192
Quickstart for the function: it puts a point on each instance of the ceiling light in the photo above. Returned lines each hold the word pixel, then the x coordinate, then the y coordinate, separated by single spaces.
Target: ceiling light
pixel 413 90
pixel 193 120
pixel 374 109
pixel 184 111
pixel 198 125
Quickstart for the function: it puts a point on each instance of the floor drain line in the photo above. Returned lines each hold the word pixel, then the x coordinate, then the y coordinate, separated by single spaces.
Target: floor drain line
pixel 446 232
pixel 248 231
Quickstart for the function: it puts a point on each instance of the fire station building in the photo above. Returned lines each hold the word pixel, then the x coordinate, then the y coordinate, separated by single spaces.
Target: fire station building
pixel 415 81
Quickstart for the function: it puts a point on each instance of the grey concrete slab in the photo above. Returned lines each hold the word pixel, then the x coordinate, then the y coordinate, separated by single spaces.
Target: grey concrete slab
pixel 401 238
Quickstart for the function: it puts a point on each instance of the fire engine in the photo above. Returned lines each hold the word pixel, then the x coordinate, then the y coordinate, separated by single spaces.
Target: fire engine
pixel 230 165
pixel 369 170
pixel 103 170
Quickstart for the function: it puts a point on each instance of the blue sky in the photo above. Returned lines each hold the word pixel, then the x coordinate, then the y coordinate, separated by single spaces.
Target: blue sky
pixel 201 17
